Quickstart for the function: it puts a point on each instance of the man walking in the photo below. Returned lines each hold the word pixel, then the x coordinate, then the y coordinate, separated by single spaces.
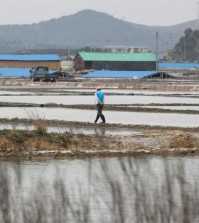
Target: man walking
pixel 99 100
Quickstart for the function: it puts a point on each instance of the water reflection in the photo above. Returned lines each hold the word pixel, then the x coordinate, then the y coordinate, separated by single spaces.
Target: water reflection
pixel 100 131
pixel 91 91
pixel 185 108
pixel 74 130
pixel 66 99
pixel 105 190
pixel 77 115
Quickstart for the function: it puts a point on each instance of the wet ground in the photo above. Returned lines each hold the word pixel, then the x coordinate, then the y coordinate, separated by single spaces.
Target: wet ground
pixel 87 139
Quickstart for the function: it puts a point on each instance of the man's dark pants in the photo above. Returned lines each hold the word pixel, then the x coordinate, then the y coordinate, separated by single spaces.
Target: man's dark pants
pixel 99 113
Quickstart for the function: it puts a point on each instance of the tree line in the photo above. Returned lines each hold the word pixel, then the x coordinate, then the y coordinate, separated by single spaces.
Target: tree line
pixel 187 48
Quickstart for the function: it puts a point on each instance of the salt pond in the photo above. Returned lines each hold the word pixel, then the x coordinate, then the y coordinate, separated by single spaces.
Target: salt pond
pixel 89 176
pixel 75 130
pixel 83 90
pixel 109 99
pixel 141 118
pixel 184 108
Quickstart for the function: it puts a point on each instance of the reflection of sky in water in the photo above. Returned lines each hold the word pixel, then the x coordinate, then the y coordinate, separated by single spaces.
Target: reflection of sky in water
pixel 93 178
pixel 13 93
pixel 193 108
pixel 60 99
pixel 74 169
pixel 120 91
pixel 142 118
pixel 79 130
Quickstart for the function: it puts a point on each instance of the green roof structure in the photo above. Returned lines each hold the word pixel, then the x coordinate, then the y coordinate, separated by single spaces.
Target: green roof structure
pixel 91 56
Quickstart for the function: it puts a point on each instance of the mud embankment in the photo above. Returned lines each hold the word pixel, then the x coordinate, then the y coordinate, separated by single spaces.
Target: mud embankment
pixel 131 84
pixel 151 140
pixel 108 107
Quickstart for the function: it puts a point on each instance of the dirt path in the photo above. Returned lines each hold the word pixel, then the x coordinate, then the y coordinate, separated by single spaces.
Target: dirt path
pixel 151 84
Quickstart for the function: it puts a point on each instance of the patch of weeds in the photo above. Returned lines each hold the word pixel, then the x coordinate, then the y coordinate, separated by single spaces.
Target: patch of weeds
pixel 52 137
pixel 5 132
pixel 40 127
pixel 39 144
pixel 65 139
pixel 6 143
pixel 17 136
pixel 38 122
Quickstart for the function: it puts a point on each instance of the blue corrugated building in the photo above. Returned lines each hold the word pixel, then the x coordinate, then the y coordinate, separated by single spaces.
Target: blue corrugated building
pixel 16 72
pixel 119 74
pixel 178 65
pixel 29 57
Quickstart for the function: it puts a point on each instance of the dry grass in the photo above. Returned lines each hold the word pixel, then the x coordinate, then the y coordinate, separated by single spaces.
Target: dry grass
pixel 6 143
pixel 19 141
pixel 40 126
pixel 183 140
pixel 39 144
pixel 38 122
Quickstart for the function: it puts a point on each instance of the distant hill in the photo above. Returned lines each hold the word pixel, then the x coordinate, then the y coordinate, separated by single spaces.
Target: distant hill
pixel 88 28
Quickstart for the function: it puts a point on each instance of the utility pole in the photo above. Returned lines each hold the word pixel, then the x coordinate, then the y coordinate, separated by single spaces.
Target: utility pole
pixel 184 50
pixel 157 51
pixel 171 41
pixel 197 26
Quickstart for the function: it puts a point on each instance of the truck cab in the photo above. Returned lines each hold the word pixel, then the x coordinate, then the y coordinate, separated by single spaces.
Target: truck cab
pixel 41 73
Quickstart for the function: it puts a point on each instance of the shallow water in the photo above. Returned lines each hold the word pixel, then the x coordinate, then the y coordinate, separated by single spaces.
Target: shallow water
pixel 137 118
pixel 75 100
pixel 84 174
pixel 184 108
pixel 90 181
pixel 75 130
pixel 180 120
pixel 57 91
pixel 73 171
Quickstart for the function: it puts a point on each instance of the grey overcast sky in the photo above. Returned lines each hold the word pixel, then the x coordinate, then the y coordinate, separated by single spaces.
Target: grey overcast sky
pixel 147 12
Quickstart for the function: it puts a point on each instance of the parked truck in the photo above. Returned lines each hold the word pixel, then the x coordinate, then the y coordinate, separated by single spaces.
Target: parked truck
pixel 42 73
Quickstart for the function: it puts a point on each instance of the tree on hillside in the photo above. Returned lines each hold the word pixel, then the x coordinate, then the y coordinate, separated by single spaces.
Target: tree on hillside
pixel 187 48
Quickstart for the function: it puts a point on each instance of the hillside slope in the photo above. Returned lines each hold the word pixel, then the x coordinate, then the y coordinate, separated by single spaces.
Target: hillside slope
pixel 87 28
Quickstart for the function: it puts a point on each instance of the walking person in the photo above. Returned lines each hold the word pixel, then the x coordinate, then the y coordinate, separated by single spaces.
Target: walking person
pixel 99 100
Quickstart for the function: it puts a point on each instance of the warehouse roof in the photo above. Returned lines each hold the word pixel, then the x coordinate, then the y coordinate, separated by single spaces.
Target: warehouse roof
pixel 29 57
pixel 119 74
pixel 178 65
pixel 90 56
pixel 16 72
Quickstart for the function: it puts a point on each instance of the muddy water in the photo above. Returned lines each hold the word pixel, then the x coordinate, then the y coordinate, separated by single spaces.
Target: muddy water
pixel 142 118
